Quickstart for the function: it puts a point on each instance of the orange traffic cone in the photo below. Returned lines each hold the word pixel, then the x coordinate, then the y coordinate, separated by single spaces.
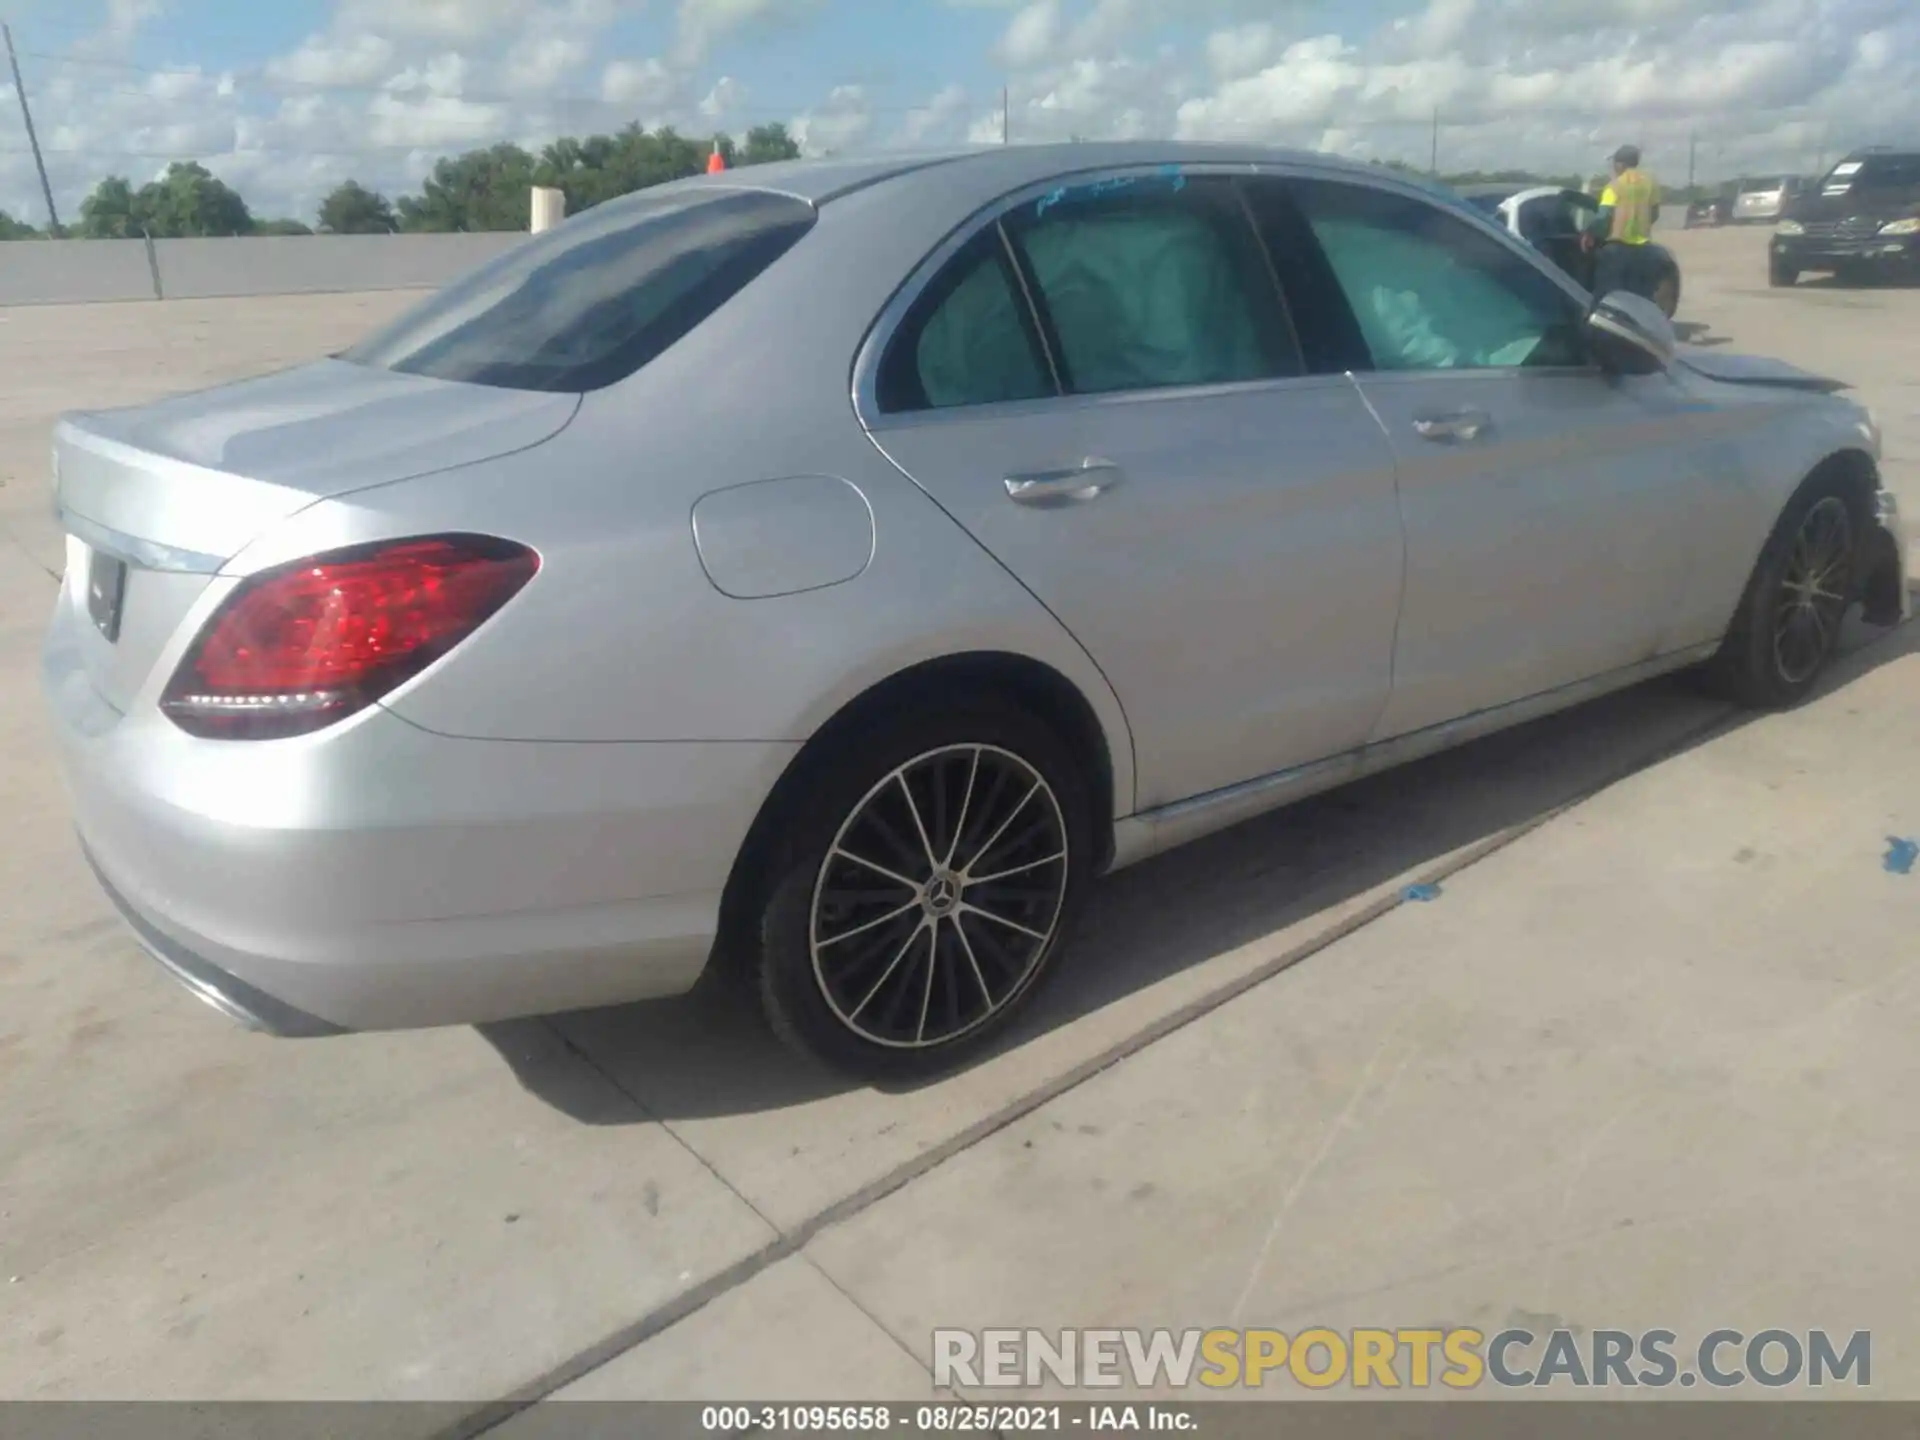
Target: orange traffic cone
pixel 716 162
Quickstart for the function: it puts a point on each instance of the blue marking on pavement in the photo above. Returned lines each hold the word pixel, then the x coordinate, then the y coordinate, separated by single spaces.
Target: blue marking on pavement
pixel 1421 893
pixel 1900 856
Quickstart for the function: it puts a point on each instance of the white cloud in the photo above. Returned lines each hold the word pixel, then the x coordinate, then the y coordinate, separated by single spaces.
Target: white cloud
pixel 126 16
pixel 447 21
pixel 638 82
pixel 387 86
pixel 703 24
pixel 942 118
pixel 539 65
pixel 726 95
pixel 325 60
pixel 843 121
pixel 1032 35
pixel 1242 49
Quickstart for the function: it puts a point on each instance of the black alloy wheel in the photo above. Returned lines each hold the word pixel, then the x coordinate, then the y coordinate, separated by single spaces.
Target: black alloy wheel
pixel 926 873
pixel 1813 593
pixel 939 896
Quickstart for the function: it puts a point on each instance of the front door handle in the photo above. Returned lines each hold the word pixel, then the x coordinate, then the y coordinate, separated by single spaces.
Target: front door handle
pixel 1084 481
pixel 1454 425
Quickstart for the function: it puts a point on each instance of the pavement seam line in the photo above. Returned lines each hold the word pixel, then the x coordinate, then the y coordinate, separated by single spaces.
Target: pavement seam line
pixel 493 1414
pixel 872 1319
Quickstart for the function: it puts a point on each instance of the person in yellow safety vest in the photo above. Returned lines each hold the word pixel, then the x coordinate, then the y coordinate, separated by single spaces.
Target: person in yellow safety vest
pixel 1629 207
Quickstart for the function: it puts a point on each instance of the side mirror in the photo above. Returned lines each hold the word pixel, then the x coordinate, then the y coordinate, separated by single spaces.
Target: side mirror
pixel 1630 334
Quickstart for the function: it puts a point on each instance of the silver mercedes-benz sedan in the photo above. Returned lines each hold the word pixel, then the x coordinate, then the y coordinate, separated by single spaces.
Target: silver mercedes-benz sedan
pixel 834 567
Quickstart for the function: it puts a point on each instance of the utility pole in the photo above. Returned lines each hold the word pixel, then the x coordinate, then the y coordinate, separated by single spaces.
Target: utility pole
pixel 1006 116
pixel 13 60
pixel 1693 148
pixel 1433 168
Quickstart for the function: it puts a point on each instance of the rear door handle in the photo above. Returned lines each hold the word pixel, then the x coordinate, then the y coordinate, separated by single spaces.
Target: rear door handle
pixel 1090 478
pixel 1454 425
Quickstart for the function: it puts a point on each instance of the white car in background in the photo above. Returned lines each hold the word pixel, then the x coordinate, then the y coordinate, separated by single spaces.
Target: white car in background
pixel 1553 219
pixel 1763 200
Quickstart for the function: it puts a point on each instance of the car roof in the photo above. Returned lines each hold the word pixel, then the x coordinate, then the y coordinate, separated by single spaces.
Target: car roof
pixel 1011 166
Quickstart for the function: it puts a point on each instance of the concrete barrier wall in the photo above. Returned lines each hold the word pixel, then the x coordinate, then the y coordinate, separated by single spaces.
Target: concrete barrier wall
pixel 38 272
pixel 65 272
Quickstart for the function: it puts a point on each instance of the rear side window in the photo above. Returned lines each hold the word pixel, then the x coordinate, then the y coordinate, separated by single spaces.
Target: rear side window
pixel 587 304
pixel 969 339
pixel 1155 283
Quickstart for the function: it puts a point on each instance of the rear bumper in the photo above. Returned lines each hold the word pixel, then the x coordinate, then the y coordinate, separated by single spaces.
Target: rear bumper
pixel 377 876
pixel 229 994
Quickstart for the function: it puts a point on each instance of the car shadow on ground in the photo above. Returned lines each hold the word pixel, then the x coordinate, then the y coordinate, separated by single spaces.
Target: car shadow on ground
pixel 710 1054
pixel 1698 332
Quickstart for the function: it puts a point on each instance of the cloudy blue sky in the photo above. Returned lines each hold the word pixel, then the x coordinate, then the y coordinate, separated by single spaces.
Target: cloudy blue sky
pixel 284 98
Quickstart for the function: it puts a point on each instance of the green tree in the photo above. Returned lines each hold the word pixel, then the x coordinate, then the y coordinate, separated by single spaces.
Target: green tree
pixel 600 167
pixel 282 227
pixel 190 201
pixel 352 209
pixel 480 190
pixel 12 229
pixel 766 143
pixel 112 212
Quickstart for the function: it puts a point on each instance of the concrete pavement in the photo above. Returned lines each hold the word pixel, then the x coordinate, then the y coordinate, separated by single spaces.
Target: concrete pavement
pixel 1639 1063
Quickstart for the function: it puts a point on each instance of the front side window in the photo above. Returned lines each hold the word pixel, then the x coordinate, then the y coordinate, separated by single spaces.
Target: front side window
pixel 588 303
pixel 1154 281
pixel 1432 293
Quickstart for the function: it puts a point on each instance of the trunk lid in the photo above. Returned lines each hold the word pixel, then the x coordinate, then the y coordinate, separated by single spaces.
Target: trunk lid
pixel 155 499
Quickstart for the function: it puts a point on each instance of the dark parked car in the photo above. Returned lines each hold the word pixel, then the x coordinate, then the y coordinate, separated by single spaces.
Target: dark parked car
pixel 1861 222
pixel 1712 211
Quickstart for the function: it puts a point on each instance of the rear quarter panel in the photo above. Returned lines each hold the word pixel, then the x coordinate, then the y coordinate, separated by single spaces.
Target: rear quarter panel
pixel 622 636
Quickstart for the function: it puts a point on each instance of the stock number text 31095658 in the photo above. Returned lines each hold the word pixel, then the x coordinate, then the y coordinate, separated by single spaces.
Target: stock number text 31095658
pixel 907 1419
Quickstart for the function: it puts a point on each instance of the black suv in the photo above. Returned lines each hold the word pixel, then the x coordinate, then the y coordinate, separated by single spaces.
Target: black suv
pixel 1860 222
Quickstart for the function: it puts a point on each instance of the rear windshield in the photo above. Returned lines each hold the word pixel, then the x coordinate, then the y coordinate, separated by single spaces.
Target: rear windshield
pixel 1874 172
pixel 588 303
pixel 1761 184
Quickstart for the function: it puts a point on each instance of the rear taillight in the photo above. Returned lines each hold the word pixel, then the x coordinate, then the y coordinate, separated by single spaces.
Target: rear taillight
pixel 297 648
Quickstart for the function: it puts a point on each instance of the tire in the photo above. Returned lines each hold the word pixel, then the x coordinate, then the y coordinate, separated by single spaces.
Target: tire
pixel 884 839
pixel 1780 276
pixel 1666 292
pixel 1788 624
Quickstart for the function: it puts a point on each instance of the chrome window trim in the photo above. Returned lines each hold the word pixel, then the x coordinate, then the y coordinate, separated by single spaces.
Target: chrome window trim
pixel 1069 404
pixel 1474 220
pixel 1033 308
pixel 880 333
pixel 866 365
